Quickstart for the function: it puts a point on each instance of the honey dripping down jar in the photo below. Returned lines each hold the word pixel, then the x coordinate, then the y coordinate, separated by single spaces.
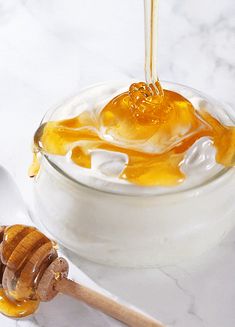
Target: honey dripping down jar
pixel 154 130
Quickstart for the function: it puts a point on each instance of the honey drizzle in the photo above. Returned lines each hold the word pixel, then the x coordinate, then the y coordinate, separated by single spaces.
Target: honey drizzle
pixel 152 126
pixel 132 119
pixel 151 34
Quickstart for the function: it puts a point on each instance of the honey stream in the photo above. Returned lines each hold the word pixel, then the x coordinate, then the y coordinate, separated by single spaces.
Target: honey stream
pixel 152 126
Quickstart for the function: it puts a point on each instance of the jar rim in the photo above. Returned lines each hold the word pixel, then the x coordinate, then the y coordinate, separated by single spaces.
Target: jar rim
pixel 209 181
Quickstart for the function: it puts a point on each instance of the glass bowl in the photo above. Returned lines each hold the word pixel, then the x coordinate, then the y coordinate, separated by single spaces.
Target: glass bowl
pixel 127 228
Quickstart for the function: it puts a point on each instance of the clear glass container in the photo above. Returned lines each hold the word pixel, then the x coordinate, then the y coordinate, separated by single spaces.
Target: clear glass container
pixel 125 227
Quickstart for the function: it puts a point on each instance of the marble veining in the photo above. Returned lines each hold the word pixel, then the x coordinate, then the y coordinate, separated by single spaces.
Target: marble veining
pixel 49 49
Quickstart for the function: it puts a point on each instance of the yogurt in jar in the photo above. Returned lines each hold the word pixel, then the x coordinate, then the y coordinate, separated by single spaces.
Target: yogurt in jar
pixel 112 220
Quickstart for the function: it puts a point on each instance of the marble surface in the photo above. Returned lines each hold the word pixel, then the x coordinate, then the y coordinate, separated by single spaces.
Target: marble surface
pixel 49 49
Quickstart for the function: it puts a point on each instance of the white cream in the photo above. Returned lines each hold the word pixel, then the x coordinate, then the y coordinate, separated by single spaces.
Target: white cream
pixel 106 166
pixel 106 219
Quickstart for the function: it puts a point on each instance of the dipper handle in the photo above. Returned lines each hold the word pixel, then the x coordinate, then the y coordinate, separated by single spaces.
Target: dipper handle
pixel 31 270
pixel 98 301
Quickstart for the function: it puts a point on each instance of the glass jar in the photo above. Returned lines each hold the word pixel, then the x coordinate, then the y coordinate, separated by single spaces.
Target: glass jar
pixel 125 228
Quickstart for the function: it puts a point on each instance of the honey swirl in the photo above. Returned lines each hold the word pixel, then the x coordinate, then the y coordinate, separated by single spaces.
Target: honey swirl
pixel 154 130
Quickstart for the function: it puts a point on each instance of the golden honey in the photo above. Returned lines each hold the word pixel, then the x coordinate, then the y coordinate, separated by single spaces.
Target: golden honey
pixel 154 129
pixel 25 254
pixel 16 309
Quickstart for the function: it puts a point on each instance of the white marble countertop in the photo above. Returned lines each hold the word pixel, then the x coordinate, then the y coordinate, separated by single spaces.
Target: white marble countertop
pixel 51 48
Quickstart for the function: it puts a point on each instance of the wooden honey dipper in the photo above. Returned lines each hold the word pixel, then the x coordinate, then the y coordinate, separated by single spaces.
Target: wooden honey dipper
pixel 31 271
